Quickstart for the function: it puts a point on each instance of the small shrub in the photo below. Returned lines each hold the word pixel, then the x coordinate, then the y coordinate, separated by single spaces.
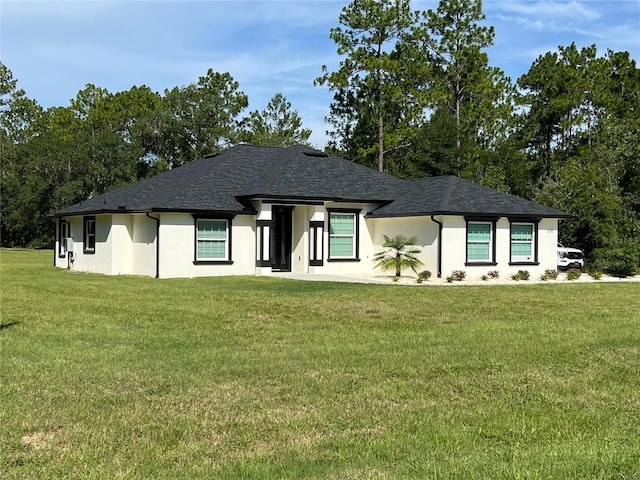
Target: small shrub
pixel 549 274
pixel 423 275
pixel 458 275
pixel 484 278
pixel 596 274
pixel 495 274
pixel 521 275
pixel 573 274
pixel 450 279
pixel 622 268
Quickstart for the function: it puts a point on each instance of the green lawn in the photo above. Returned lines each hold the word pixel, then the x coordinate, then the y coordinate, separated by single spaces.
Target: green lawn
pixel 126 377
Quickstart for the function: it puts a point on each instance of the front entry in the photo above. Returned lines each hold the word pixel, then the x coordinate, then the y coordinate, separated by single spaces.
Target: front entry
pixel 281 233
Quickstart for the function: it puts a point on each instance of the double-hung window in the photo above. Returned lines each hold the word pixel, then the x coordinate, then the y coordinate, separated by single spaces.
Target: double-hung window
pixel 523 243
pixel 89 235
pixel 480 242
pixel 63 234
pixel 213 240
pixel 343 235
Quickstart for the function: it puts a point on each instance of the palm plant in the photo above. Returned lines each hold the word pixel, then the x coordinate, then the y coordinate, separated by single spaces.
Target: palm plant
pixel 399 253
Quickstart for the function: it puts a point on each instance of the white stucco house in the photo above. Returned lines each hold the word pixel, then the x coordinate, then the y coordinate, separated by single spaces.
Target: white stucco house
pixel 256 210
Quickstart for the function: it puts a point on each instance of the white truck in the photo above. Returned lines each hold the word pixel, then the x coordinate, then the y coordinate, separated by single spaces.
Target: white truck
pixel 569 257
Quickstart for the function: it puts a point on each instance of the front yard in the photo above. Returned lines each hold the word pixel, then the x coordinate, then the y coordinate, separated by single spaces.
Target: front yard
pixel 126 377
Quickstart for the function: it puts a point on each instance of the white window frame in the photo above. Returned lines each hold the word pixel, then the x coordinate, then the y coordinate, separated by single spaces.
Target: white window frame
pixel 226 241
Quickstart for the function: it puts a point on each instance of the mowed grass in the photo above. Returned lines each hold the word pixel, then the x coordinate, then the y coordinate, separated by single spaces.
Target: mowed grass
pixel 126 377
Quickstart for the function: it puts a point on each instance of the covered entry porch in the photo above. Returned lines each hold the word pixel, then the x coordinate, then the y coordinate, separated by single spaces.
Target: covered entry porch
pixel 289 237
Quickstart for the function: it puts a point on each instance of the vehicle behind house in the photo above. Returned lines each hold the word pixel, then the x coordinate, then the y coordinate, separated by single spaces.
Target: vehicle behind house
pixel 569 257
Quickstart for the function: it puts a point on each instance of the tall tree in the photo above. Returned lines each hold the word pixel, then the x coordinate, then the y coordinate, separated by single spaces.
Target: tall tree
pixel 558 98
pixel 17 112
pixel 277 125
pixel 18 117
pixel 453 41
pixel 370 39
pixel 581 129
pixel 200 118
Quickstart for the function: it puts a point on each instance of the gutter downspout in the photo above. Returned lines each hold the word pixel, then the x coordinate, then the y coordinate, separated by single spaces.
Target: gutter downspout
pixel 439 245
pixel 157 243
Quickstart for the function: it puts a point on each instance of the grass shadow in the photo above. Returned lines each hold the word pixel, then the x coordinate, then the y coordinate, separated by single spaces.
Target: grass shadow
pixel 7 325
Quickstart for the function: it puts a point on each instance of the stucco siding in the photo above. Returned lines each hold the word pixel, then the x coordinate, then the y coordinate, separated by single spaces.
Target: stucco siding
pixel 454 241
pixel 300 240
pixel 121 244
pixel 101 260
pixel 423 228
pixel 126 244
pixel 548 244
pixel 143 261
pixel 177 248
pixel 363 265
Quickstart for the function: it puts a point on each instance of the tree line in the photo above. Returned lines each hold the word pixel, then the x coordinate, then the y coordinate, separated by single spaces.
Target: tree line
pixel 59 156
pixel 414 95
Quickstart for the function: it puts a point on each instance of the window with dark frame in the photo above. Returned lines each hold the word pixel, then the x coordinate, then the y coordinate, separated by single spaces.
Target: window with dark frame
pixel 63 233
pixel 343 234
pixel 89 235
pixel 480 242
pixel 316 244
pixel 212 240
pixel 523 242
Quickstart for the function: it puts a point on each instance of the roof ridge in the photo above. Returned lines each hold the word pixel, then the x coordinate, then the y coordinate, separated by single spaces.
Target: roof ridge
pixel 446 197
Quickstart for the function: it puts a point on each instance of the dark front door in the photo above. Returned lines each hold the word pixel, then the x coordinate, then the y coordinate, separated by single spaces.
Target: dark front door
pixel 281 238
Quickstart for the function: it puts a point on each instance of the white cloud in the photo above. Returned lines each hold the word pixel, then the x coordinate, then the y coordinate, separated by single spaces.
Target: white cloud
pixel 550 9
pixel 55 47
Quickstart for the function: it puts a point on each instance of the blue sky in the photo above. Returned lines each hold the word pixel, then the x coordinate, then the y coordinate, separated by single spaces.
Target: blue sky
pixel 54 48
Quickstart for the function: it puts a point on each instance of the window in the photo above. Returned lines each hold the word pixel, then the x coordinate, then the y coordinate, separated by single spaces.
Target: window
pixel 523 243
pixel 89 234
pixel 480 244
pixel 263 243
pixel 343 235
pixel 213 240
pixel 316 248
pixel 63 234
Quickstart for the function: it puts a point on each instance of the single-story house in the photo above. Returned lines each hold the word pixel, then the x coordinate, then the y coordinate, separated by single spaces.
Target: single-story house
pixel 252 210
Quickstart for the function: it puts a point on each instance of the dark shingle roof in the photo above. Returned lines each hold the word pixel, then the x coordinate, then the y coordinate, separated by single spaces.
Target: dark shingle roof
pixel 221 182
pixel 224 182
pixel 303 173
pixel 451 195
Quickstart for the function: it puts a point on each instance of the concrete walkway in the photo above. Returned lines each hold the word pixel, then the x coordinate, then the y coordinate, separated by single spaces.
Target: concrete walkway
pixel 328 278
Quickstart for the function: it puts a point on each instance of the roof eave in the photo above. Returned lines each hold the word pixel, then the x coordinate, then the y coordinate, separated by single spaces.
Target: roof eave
pixel 468 214
pixel 111 211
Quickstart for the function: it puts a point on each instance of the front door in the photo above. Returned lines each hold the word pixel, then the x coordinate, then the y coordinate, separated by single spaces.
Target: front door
pixel 281 238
